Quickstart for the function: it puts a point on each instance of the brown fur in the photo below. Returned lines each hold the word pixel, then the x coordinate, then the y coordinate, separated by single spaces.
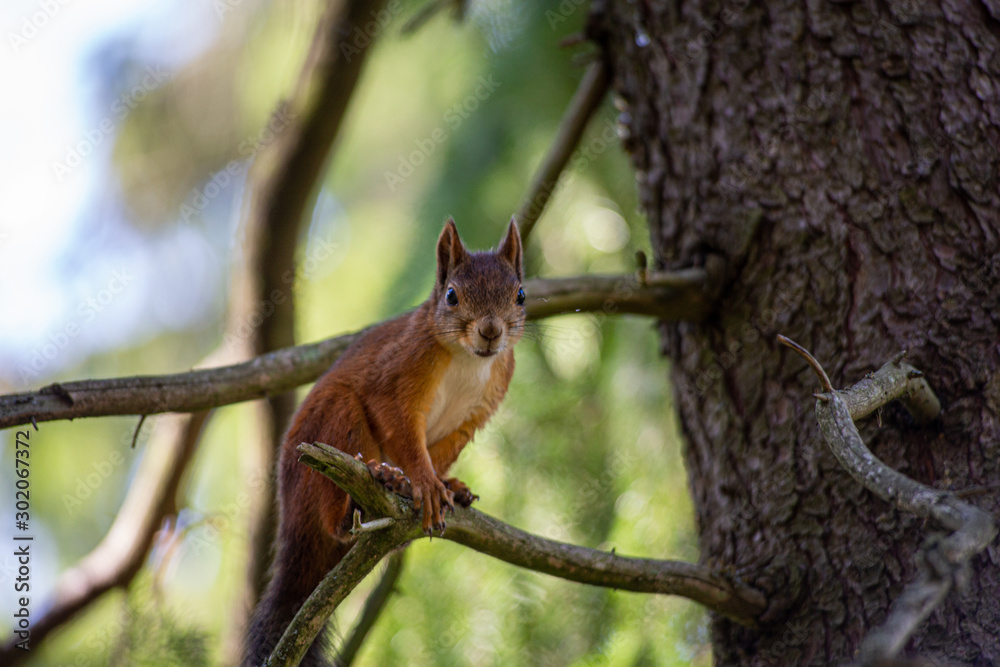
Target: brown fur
pixel 376 401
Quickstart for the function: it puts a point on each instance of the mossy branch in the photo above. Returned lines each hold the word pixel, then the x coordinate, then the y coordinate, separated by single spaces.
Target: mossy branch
pixel 717 591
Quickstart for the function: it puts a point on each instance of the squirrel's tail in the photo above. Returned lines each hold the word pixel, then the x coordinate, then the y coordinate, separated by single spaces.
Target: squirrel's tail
pixel 298 569
pixel 313 510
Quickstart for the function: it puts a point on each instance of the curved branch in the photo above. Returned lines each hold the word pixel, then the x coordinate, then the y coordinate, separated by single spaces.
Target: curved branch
pixel 284 189
pixel 492 537
pixel 373 608
pixel 587 98
pixel 679 295
pixel 116 560
pixel 285 184
pixel 946 560
pixel 353 476
pixel 331 591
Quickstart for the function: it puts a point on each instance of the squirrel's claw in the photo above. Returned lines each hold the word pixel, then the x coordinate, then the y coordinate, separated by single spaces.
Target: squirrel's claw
pixel 391 478
pixel 431 498
pixel 460 492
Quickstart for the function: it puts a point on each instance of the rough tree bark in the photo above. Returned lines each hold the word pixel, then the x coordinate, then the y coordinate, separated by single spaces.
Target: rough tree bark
pixel 840 161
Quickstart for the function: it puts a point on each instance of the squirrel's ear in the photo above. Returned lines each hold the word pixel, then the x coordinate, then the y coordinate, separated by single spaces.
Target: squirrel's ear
pixel 450 251
pixel 510 248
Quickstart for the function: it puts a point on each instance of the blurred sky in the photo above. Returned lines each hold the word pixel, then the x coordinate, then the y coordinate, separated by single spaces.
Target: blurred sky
pixel 67 252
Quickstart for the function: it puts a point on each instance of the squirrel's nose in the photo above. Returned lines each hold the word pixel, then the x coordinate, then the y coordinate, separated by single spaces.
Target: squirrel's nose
pixel 489 330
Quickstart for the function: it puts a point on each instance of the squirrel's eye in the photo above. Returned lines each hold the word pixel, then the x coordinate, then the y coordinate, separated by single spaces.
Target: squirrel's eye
pixel 520 297
pixel 451 297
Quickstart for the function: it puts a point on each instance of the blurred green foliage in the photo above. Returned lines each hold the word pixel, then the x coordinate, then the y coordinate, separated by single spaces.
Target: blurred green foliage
pixel 585 448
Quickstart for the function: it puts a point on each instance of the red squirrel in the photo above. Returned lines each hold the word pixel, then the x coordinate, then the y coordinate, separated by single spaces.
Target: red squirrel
pixel 411 393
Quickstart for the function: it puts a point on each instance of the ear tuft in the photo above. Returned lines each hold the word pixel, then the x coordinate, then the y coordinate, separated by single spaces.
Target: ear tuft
pixel 510 248
pixel 450 251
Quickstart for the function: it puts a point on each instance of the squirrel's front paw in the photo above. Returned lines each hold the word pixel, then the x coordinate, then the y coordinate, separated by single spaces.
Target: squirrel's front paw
pixel 431 497
pixel 391 478
pixel 463 494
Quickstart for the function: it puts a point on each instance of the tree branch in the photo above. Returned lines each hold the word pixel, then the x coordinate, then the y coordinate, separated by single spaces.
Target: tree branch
pixel 372 609
pixel 587 98
pixel 945 560
pixel 283 193
pixel 673 296
pixel 182 392
pixel 718 593
pixel 331 591
pixel 487 535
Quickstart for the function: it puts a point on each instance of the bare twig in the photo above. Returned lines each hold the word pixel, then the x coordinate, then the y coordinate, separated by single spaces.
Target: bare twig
pixel 355 478
pixel 671 296
pixel 811 360
pixel 359 527
pixel 373 608
pixel 585 101
pixel 123 550
pixel 138 427
pixel 945 560
pixel 281 198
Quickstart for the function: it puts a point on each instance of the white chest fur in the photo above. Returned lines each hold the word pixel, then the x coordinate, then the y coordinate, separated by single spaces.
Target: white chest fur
pixel 461 391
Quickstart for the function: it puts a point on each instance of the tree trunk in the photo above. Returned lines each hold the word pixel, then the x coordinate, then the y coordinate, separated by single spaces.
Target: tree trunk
pixel 838 162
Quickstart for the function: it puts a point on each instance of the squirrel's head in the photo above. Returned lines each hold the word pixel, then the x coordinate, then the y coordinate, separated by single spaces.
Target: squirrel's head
pixel 478 301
